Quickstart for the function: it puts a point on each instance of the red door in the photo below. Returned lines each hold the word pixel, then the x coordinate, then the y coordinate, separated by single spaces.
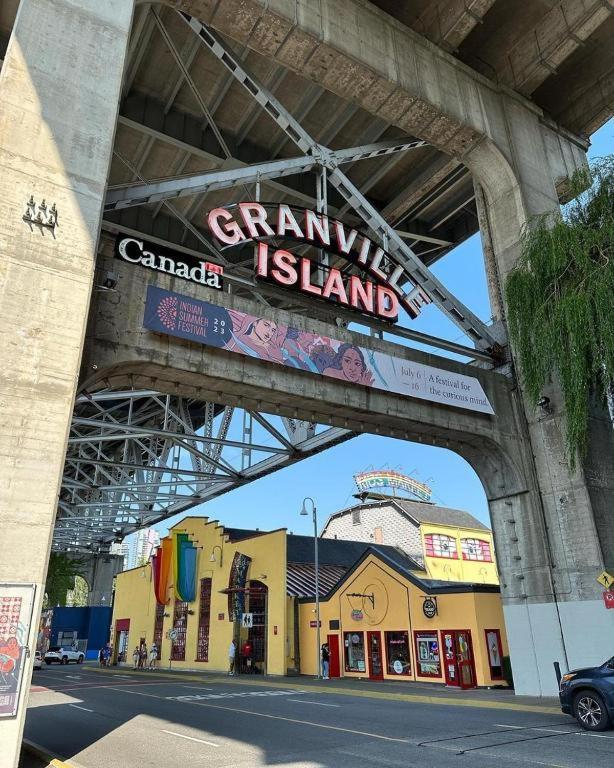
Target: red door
pixel 334 669
pixel 457 650
pixel 374 652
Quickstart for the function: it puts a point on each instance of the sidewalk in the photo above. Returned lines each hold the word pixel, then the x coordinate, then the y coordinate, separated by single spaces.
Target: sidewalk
pixel 392 690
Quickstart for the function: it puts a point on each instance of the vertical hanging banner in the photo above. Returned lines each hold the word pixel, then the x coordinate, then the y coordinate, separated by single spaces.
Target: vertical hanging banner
pixel 161 565
pixel 236 585
pixel 16 604
pixel 187 574
pixel 261 337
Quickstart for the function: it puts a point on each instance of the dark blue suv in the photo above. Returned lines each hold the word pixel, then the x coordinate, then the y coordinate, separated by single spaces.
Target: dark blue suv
pixel 588 695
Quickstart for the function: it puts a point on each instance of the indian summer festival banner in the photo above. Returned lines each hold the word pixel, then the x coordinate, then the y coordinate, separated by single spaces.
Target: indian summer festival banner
pixel 261 337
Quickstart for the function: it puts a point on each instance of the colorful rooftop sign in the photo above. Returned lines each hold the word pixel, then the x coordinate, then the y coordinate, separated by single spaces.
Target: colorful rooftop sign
pixel 369 481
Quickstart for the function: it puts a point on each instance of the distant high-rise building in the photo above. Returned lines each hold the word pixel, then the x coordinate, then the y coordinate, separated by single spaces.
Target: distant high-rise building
pixel 142 545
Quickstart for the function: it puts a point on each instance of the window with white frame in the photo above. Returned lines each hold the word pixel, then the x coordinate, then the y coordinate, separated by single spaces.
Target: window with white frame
pixel 440 545
pixel 476 549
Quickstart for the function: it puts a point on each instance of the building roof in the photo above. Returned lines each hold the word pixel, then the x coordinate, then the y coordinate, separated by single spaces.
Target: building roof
pixel 301 579
pixel 418 512
pixel 339 552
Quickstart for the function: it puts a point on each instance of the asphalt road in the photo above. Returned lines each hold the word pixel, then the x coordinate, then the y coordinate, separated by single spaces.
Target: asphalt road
pixel 97 719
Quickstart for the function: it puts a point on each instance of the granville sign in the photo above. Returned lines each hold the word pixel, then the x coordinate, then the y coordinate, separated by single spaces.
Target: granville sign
pixel 170 262
pixel 379 293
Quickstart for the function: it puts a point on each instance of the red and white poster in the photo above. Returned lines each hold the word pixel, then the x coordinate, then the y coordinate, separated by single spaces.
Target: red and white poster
pixel 16 602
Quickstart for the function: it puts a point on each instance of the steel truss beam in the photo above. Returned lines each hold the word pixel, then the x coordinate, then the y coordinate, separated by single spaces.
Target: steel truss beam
pixel 406 259
pixel 136 457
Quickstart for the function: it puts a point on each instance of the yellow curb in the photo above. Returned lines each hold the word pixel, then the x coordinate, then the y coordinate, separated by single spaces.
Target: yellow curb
pixel 360 693
pixel 43 754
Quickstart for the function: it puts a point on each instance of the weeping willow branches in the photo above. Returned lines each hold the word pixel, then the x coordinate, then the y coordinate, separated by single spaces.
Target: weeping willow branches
pixel 560 300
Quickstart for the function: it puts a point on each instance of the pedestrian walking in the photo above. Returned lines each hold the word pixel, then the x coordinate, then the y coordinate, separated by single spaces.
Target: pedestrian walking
pixel 136 657
pixel 107 655
pixel 143 657
pixel 153 656
pixel 232 650
pixel 101 657
pixel 325 657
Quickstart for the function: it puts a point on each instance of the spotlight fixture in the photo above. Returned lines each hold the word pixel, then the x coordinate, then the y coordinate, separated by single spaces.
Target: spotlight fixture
pixel 544 404
pixel 109 282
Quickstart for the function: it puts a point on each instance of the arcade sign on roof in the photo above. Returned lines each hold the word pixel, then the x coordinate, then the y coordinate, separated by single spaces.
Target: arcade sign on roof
pixel 368 481
pixel 378 293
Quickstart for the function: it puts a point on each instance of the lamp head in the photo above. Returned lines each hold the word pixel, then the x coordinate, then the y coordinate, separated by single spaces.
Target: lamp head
pixel 212 558
pixel 304 509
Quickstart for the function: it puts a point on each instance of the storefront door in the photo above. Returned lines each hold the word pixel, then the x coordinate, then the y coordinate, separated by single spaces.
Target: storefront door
pixel 333 650
pixel 374 652
pixel 459 666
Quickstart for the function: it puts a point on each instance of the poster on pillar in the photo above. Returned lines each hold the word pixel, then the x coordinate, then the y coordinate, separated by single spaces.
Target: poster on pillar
pixel 263 338
pixel 16 603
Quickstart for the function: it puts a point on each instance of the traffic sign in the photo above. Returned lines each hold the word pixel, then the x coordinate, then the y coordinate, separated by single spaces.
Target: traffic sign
pixel 606 579
pixel 247 620
pixel 608 599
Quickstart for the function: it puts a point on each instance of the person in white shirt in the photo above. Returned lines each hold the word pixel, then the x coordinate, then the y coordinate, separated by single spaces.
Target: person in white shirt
pixel 232 649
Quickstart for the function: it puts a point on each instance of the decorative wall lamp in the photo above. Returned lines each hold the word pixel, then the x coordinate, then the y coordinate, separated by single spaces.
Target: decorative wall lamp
pixel 213 558
pixel 41 215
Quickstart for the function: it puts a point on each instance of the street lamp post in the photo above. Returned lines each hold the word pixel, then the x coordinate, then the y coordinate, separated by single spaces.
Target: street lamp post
pixel 317 574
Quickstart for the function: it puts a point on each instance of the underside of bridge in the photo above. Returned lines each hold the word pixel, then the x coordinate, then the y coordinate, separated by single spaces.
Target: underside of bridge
pixel 417 124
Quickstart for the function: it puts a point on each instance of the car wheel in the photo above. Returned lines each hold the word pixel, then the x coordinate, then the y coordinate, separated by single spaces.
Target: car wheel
pixel 48 662
pixel 590 711
pixel 80 660
pixel 64 659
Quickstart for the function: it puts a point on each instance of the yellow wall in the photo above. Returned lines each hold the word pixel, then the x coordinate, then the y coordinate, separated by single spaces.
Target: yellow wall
pixel 398 607
pixel 448 569
pixel 134 597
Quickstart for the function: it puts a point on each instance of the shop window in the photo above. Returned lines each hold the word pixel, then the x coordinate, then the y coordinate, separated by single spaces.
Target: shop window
pixel 427 654
pixel 495 653
pixel 397 653
pixel 256 635
pixel 158 627
pixel 476 549
pixel 354 651
pixel 355 517
pixel 180 620
pixel 439 545
pixel 204 621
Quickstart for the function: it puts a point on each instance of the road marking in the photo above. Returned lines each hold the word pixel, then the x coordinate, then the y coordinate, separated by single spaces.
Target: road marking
pixel 317 703
pixel 190 738
pixel 410 698
pixel 197 687
pixel 278 717
pixel 551 730
pixel 76 706
pixel 230 695
pixel 128 677
pixel 73 677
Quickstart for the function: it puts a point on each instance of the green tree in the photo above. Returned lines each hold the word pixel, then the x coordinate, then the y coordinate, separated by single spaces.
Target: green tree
pixel 61 576
pixel 77 596
pixel 560 302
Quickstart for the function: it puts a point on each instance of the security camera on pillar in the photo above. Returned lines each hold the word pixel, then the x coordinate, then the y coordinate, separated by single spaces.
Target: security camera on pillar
pixel 381 296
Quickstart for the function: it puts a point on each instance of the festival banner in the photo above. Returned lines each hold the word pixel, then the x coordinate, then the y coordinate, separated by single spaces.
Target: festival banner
pixel 261 337
pixel 367 481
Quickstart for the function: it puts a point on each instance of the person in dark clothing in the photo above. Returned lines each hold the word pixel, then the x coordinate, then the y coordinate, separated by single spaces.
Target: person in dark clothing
pixel 325 658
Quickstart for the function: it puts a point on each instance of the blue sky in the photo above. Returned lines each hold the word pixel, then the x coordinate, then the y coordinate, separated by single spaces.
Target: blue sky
pixel 275 501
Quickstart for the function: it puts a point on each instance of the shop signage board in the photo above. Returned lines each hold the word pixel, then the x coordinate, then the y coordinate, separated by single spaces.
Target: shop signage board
pixel 380 288
pixel 608 599
pixel 261 337
pixel 314 624
pixel 16 605
pixel 367 481
pixel 160 259
pixel 357 614
pixel 429 607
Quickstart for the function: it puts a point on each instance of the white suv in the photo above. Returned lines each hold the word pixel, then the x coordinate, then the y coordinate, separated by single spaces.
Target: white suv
pixel 59 655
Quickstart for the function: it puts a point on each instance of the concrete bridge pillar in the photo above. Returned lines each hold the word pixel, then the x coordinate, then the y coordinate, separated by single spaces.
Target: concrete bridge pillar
pixel 59 90
pixel 557 540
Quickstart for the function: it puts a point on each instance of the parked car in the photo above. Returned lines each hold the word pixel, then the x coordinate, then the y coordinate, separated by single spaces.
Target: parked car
pixel 38 660
pixel 588 695
pixel 60 655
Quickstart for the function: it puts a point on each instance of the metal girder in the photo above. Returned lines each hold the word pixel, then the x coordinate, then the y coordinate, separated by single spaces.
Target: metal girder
pixel 136 457
pixel 199 183
pixel 406 259
pixel 205 182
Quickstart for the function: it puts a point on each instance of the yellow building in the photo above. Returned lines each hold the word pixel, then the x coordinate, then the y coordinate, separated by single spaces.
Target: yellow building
pixel 380 619
pixel 448 544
